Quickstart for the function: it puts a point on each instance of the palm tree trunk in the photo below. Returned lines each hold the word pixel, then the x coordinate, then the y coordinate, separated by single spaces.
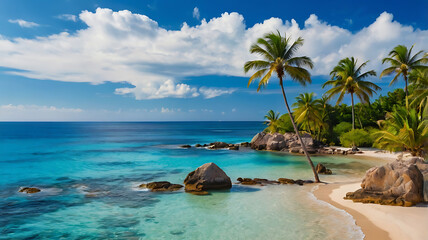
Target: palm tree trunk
pixel 353 111
pixel 298 134
pixel 406 90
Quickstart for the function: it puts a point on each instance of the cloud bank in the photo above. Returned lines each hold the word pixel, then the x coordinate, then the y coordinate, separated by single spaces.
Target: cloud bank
pixel 131 48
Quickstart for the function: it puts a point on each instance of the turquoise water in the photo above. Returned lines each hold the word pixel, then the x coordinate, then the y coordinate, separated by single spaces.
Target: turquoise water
pixel 89 173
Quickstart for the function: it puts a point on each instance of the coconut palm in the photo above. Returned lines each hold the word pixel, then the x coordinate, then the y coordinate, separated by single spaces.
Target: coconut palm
pixel 419 79
pixel 402 62
pixel 405 130
pixel 278 56
pixel 347 78
pixel 307 112
pixel 272 121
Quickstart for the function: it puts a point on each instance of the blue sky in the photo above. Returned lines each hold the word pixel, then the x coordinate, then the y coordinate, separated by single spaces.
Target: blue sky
pixel 178 60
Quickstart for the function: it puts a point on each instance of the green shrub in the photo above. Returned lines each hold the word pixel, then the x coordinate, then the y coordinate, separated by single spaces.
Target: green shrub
pixel 359 137
pixel 284 124
pixel 342 128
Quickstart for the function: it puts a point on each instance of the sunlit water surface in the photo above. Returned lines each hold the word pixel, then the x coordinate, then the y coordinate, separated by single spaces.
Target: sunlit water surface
pixel 89 175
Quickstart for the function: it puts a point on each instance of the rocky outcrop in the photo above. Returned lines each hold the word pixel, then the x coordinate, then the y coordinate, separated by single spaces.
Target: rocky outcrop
pixel 398 183
pixel 161 186
pixel 320 168
pixel 263 181
pixel 29 190
pixel 282 142
pixel 256 181
pixel 185 146
pixel 206 177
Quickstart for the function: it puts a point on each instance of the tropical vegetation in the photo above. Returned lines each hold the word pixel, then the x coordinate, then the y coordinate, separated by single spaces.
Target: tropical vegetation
pixel 396 121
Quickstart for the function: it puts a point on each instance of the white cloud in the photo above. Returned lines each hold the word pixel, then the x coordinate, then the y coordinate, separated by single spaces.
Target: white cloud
pixel 23 23
pixel 214 92
pixel 196 13
pixel 123 47
pixel 67 17
pixel 13 112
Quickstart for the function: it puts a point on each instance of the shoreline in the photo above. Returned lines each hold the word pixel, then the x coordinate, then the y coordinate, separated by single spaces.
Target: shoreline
pixel 377 221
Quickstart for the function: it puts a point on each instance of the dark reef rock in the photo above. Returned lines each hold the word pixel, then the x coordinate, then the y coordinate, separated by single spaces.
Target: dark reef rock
pixel 161 186
pixel 29 190
pixel 256 181
pixel 206 177
pixel 399 183
pixel 185 146
pixel 320 168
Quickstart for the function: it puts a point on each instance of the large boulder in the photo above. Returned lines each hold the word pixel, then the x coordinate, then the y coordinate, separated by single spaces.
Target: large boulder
pixel 398 183
pixel 206 177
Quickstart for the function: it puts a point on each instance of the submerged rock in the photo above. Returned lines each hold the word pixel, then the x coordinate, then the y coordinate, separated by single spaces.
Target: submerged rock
pixel 256 181
pixel 206 177
pixel 398 183
pixel 161 186
pixel 185 146
pixel 320 168
pixel 29 190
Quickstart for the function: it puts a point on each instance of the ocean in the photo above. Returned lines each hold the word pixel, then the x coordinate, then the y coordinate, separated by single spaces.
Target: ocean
pixel 89 174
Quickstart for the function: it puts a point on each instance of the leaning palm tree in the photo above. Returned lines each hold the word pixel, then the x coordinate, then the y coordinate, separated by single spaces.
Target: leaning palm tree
pixel 402 62
pixel 405 130
pixel 278 55
pixel 272 121
pixel 307 112
pixel 347 78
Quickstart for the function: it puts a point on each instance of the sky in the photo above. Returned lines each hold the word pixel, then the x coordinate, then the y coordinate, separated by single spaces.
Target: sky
pixel 170 60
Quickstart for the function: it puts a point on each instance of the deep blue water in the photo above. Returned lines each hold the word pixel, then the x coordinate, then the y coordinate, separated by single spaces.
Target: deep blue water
pixel 89 173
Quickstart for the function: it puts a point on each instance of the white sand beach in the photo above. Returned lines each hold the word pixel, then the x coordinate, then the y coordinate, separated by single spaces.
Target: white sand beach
pixel 378 221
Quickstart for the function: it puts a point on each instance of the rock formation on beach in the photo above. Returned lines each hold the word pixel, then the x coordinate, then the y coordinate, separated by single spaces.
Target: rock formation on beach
pixel 282 142
pixel 29 190
pixel 401 183
pixel 206 177
pixel 161 186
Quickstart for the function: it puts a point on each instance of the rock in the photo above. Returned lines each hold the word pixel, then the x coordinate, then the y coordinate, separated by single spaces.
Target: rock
pixel 320 168
pixel 286 181
pixel 185 146
pixel 299 182
pixel 398 183
pixel 206 177
pixel 217 145
pixel 256 181
pixel 234 147
pixel 198 145
pixel 295 149
pixel 355 149
pixel 161 186
pixel 29 190
pixel 245 144
pixel 247 181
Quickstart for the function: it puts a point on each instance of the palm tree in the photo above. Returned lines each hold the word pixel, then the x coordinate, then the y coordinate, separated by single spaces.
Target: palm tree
pixel 419 79
pixel 347 78
pixel 403 129
pixel 307 112
pixel 272 120
pixel 402 62
pixel 278 55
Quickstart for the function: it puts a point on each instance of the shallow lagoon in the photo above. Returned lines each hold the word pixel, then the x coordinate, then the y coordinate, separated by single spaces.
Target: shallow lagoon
pixel 89 173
